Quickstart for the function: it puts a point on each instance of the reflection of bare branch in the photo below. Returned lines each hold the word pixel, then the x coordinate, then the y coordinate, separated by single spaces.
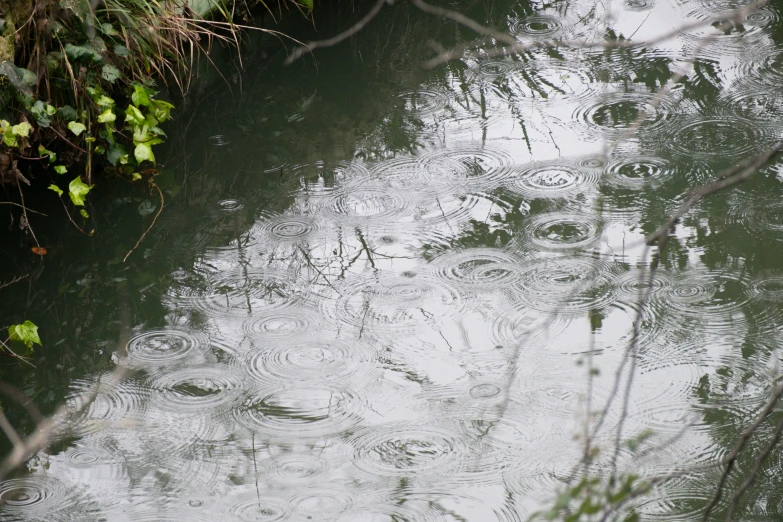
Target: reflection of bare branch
pixel 523 47
pixel 464 20
pixel 760 458
pixel 728 178
pixel 311 46
pixel 731 458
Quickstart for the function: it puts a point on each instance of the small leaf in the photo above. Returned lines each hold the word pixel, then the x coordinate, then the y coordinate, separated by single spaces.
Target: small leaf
pixel 39 110
pixel 115 152
pixel 76 127
pixel 82 52
pixel 84 214
pixel 147 207
pixel 136 176
pixel 43 152
pixel 109 30
pixel 143 152
pixel 56 189
pixel 26 332
pixel 134 116
pixel 99 149
pixel 89 139
pixel 78 190
pixel 121 50
pixel 104 101
pixel 110 73
pixel 60 169
pixel 50 110
pixel 141 95
pixel 67 112
pixel 22 129
pixel 8 137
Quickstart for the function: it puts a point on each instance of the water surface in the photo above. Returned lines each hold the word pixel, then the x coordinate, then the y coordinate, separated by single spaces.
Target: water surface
pixel 376 292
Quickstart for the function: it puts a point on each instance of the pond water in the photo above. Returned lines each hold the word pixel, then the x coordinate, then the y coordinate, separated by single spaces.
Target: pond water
pixel 379 292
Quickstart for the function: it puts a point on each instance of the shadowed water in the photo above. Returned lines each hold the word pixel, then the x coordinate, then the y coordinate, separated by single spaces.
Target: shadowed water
pixel 377 292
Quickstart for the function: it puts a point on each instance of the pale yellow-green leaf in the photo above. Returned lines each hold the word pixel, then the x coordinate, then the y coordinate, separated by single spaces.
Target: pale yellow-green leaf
pixel 78 190
pixel 76 127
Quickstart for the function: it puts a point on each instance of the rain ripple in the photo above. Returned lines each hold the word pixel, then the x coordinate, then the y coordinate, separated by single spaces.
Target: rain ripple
pixel 312 359
pixel 565 284
pixel 196 389
pixel 562 231
pixel 37 497
pixel 396 450
pixel 165 346
pixel 478 268
pixel 304 411
pixel 556 179
pixel 467 164
pixel 397 302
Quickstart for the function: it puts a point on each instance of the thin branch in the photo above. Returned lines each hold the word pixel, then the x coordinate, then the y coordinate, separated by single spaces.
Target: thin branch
pixel 71 219
pixel 21 206
pixel 12 281
pixel 148 228
pixel 27 221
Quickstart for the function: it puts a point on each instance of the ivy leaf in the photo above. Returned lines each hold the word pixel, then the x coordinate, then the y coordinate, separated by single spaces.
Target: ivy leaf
pixel 43 152
pixel 136 176
pixel 115 152
pixel 84 214
pixel 76 127
pixel 60 169
pixel 40 112
pixel 163 110
pixel 78 190
pixel 67 112
pixel 82 52
pixel 121 50
pixel 109 30
pixel 134 116
pixel 143 152
pixel 22 129
pixel 26 332
pixel 141 96
pixel 104 101
pixel 56 189
pixel 106 116
pixel 8 137
pixel 110 73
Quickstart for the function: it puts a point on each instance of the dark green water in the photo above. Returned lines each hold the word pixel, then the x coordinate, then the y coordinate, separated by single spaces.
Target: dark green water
pixel 375 291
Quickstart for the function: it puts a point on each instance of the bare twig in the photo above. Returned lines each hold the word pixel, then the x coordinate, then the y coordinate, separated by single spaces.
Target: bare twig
pixel 12 281
pixel 21 206
pixel 80 229
pixel 27 221
pixel 148 228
